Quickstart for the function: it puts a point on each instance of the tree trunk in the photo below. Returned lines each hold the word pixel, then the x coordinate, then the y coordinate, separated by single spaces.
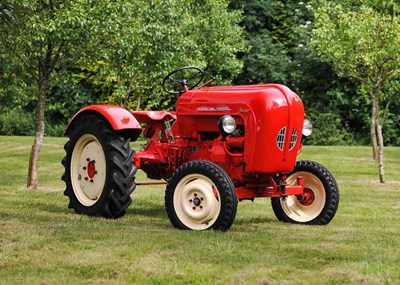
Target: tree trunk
pixel 32 181
pixel 380 157
pixel 374 116
pixel 138 102
pixel 43 86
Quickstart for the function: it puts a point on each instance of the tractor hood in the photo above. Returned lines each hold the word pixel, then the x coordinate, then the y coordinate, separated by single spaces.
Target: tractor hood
pixel 272 116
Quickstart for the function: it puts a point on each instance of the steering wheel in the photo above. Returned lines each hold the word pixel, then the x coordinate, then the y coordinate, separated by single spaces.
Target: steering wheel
pixel 182 79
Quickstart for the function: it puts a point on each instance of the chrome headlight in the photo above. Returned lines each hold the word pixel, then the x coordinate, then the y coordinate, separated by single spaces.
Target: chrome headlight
pixel 307 128
pixel 227 124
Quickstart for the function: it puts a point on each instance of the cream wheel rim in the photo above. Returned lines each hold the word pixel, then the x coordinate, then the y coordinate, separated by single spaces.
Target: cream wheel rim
pixel 88 170
pixel 299 211
pixel 197 202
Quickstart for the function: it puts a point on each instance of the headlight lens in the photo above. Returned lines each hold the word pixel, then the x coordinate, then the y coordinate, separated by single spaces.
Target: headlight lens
pixel 227 124
pixel 307 128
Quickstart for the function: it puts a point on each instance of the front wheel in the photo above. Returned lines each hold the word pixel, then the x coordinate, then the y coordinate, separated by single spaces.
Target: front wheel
pixel 318 204
pixel 99 172
pixel 199 196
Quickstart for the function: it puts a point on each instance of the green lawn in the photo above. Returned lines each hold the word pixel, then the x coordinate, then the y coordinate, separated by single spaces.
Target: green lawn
pixel 44 242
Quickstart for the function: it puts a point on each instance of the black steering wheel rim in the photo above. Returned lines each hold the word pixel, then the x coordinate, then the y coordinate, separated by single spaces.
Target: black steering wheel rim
pixel 197 73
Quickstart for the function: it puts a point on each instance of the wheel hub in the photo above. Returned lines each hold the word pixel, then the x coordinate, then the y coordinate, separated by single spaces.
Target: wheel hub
pixel 195 201
pixel 307 198
pixel 91 169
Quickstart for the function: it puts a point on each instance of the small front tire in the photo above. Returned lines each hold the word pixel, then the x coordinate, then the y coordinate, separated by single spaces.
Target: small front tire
pixel 318 204
pixel 199 196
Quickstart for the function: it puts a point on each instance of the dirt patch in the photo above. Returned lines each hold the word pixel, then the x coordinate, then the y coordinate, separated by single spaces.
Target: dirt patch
pixel 42 189
pixel 375 182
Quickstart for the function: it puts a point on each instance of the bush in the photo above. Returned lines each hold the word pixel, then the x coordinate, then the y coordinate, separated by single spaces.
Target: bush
pixel 17 122
pixel 328 130
pixel 54 130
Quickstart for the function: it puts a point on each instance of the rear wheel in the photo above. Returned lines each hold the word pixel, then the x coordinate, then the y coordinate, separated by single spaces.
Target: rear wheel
pixel 200 195
pixel 318 204
pixel 99 173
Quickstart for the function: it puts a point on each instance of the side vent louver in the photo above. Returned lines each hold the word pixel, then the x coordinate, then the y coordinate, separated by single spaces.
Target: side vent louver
pixel 280 139
pixel 293 139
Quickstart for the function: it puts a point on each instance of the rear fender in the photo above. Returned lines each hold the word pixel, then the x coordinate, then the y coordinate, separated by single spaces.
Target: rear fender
pixel 118 117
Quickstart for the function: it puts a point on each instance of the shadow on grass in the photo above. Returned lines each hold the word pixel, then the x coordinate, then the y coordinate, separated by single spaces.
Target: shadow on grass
pixel 143 211
pixel 147 209
pixel 254 220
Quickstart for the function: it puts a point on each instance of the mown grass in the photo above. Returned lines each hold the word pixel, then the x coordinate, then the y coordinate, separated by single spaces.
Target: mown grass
pixel 44 242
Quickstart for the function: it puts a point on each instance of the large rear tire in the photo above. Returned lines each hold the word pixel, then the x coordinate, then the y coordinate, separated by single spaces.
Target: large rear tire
pixel 199 196
pixel 99 172
pixel 320 201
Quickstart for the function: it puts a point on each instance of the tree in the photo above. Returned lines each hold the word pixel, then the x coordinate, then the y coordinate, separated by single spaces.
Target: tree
pixel 278 34
pixel 361 40
pixel 267 57
pixel 132 43
pixel 41 38
pixel 163 35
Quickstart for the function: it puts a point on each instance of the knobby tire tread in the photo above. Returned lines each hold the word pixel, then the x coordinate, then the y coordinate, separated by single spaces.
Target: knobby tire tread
pixel 120 169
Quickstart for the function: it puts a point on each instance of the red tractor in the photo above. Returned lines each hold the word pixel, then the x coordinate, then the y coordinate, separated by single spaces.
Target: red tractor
pixel 223 144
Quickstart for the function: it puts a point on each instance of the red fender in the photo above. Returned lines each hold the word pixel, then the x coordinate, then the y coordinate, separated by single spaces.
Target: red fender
pixel 118 117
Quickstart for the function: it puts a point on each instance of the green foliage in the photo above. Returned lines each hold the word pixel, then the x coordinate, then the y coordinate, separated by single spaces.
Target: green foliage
pixel 390 113
pixel 358 43
pixel 266 58
pixel 161 36
pixel 67 98
pixel 84 52
pixel 278 34
pixel 328 130
pixel 17 122
pixel 119 51
pixel 54 129
pixel 360 40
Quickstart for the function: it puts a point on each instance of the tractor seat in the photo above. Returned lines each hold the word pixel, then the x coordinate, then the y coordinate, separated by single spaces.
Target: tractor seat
pixel 151 116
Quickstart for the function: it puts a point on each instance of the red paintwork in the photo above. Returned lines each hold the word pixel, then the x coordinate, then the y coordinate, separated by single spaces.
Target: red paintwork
pixel 257 165
pixel 91 169
pixel 252 159
pixel 150 116
pixel 118 117
pixel 263 109
pixel 308 197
